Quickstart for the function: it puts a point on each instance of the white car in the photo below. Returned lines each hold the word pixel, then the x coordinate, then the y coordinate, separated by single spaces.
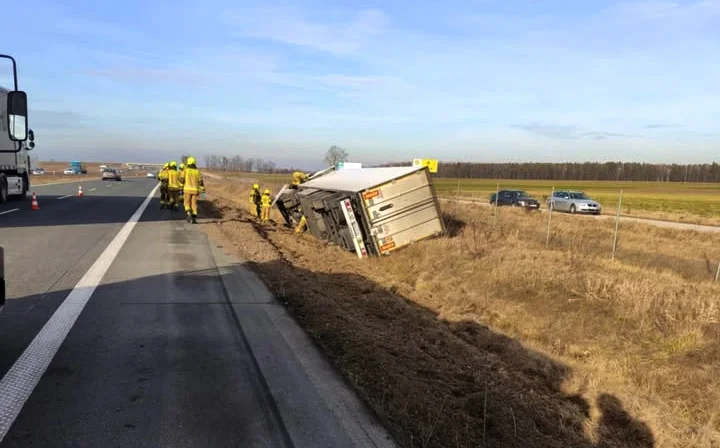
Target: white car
pixel 150 175
pixel 68 171
pixel 38 171
pixel 574 202
pixel 111 174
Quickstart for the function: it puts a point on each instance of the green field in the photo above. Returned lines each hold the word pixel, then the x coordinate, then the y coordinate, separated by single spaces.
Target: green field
pixel 685 201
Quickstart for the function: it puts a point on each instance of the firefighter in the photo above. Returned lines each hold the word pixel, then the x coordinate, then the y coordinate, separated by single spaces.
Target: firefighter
pixel 193 185
pixel 255 201
pixel 163 177
pixel 301 225
pixel 173 186
pixel 266 201
pixel 299 177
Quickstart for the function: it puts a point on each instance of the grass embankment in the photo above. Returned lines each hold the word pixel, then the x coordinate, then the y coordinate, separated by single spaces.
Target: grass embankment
pixel 489 338
pixel 697 203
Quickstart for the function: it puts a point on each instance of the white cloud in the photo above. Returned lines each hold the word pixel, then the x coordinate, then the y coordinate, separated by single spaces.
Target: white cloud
pixel 285 26
pixel 659 9
pixel 161 75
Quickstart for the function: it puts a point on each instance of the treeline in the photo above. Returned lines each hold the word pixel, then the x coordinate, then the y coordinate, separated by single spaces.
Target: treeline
pixel 241 164
pixel 613 171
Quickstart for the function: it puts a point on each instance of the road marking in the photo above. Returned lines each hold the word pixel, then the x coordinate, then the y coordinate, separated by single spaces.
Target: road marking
pixel 92 189
pixel 22 378
pixel 9 211
pixel 65 197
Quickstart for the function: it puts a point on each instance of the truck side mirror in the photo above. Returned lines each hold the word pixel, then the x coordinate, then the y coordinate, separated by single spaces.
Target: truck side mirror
pixel 17 115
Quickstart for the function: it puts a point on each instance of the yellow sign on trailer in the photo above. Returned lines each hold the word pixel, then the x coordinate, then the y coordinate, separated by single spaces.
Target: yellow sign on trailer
pixel 431 164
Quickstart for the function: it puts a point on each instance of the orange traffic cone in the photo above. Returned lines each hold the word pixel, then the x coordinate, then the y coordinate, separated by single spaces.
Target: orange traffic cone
pixel 35 205
pixel 80 191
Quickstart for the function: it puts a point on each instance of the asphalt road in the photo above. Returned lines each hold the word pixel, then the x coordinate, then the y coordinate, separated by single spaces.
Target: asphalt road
pixel 126 327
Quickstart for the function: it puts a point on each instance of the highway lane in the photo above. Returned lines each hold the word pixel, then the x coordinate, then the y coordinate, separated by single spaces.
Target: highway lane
pixel 48 251
pixel 163 354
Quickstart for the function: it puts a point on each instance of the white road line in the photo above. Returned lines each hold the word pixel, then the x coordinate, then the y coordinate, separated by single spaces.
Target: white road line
pixel 9 211
pixel 65 197
pixel 22 378
pixel 92 189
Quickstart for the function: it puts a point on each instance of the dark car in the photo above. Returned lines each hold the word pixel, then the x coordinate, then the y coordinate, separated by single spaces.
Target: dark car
pixel 515 198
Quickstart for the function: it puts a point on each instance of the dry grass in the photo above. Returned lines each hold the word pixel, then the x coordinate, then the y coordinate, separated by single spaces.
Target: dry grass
pixel 488 338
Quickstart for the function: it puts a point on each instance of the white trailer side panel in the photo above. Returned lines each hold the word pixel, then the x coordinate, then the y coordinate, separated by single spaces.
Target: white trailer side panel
pixel 402 211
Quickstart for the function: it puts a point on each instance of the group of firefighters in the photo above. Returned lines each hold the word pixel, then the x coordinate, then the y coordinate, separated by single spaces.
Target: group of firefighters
pixel 260 203
pixel 184 180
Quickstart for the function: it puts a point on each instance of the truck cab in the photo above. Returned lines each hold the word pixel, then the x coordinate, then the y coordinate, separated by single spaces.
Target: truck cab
pixel 14 160
pixel 16 139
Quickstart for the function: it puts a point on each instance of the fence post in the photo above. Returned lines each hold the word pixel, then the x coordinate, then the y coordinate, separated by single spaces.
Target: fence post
pixel 497 194
pixel 717 274
pixel 550 209
pixel 617 224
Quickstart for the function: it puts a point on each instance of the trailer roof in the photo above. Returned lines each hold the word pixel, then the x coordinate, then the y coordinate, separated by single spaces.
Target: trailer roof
pixel 356 180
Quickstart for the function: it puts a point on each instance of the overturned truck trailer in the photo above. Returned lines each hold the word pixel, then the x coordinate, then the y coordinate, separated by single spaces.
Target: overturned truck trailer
pixel 372 211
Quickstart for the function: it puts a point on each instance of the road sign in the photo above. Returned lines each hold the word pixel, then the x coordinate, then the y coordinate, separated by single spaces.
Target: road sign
pixel 431 164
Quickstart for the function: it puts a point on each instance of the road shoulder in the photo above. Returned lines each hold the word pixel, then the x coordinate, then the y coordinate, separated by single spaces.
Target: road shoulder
pixel 302 382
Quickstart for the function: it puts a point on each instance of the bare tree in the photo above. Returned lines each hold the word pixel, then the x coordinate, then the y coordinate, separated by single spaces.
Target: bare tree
pixel 334 155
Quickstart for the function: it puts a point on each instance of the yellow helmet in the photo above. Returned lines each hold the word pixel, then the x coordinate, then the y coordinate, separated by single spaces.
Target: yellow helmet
pixel 267 191
pixel 256 186
pixel 166 165
pixel 191 160
pixel 173 164
pixel 182 166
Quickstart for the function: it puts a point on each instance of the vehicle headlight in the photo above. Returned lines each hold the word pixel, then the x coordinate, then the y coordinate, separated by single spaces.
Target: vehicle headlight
pixel 521 202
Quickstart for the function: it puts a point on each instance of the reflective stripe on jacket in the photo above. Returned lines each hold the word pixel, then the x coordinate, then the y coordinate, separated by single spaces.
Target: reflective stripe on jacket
pixel 173 180
pixel 192 180
pixel 266 200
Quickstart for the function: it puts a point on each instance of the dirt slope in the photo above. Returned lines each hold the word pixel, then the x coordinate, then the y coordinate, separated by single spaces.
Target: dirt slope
pixel 429 337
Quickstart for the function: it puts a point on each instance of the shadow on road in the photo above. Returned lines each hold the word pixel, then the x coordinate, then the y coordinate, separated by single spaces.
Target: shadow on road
pixel 57 210
pixel 141 368
pixel 432 382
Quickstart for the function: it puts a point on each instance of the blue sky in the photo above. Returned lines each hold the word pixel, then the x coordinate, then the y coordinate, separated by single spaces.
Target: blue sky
pixel 479 80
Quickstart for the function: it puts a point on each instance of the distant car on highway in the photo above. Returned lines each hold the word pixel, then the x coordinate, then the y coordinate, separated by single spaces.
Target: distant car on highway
pixel 111 174
pixel 573 202
pixel 38 171
pixel 69 171
pixel 515 198
pixel 150 175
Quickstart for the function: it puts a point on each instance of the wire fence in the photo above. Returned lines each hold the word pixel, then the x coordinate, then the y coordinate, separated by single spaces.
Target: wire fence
pixel 656 247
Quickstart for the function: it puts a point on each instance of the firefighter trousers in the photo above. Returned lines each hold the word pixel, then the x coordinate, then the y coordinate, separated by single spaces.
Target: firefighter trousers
pixel 164 198
pixel 265 213
pixel 191 203
pixel 173 198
